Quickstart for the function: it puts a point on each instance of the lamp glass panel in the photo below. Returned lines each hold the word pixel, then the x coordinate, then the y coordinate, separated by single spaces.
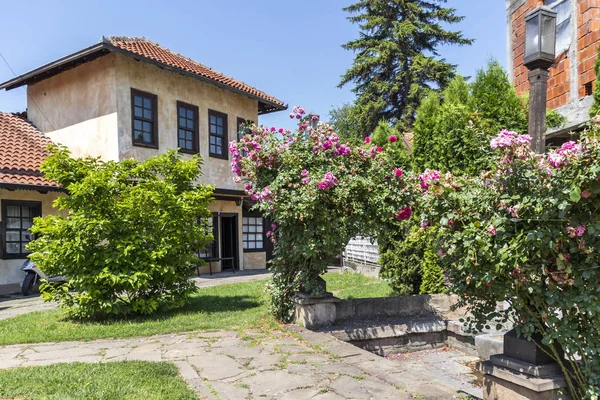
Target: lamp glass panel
pixel 548 34
pixel 532 36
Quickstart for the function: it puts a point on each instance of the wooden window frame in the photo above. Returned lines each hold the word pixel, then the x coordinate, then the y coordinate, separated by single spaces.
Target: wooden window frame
pixel 225 137
pixel 263 233
pixel 3 228
pixel 154 121
pixel 214 246
pixel 196 131
pixel 240 121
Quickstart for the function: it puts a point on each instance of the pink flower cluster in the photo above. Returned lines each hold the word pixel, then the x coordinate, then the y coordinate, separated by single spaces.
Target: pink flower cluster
pixel 562 156
pixel 297 112
pixel 328 182
pixel 428 176
pixel 265 195
pixel 507 138
pixel 491 230
pixel 512 210
pixel 578 231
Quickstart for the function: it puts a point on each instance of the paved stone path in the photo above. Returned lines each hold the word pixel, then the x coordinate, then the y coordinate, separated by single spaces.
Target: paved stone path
pixel 296 364
pixel 11 306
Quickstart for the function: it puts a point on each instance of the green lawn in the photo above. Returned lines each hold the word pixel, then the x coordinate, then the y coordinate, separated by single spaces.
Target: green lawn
pixel 356 286
pixel 116 380
pixel 226 307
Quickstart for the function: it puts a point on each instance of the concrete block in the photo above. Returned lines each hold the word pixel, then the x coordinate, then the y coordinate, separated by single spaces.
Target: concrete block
pixel 488 345
pixel 314 316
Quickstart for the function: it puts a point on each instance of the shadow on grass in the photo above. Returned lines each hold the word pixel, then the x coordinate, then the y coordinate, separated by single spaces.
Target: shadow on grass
pixel 198 304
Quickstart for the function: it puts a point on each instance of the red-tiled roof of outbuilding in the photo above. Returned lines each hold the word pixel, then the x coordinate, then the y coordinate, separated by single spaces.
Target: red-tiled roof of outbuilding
pixel 22 149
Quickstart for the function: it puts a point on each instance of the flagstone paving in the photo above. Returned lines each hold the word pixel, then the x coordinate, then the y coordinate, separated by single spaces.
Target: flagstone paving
pixel 292 364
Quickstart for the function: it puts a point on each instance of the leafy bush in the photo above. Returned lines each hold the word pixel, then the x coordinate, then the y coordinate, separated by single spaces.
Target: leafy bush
pixel 410 261
pixel 527 234
pixel 127 235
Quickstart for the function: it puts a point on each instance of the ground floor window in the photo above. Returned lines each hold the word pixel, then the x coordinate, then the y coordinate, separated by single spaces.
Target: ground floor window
pixel 253 233
pixel 17 219
pixel 212 249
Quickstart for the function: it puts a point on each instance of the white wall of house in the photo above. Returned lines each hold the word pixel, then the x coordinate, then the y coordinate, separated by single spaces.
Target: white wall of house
pixel 78 108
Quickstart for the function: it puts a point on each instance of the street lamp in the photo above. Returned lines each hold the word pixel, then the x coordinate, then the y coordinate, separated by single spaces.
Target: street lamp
pixel 540 44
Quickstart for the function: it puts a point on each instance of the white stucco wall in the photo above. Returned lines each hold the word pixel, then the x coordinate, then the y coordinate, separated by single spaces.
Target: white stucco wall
pixel 171 87
pixel 78 108
pixel 10 270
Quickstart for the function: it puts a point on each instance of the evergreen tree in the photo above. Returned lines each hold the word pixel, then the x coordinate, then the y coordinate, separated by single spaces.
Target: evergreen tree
pixel 345 121
pixel 396 59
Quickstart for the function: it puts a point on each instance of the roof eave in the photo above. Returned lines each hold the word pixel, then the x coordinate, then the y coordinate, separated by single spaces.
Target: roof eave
pixel 25 78
pixel 271 106
pixel 37 188
pixel 265 106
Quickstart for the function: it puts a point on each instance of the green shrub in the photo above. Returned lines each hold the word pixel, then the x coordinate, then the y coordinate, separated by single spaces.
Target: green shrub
pixel 433 274
pixel 127 235
pixel 411 262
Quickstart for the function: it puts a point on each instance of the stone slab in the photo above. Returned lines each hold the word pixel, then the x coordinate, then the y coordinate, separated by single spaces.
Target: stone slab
pixel 540 371
pixel 522 380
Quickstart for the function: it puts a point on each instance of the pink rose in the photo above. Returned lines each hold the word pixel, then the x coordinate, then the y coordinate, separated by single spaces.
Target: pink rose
pixel 367 140
pixel 393 138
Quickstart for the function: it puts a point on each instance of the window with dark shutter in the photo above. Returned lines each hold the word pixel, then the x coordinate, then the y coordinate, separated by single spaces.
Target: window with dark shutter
pixel 187 128
pixel 144 119
pixel 17 218
pixel 217 134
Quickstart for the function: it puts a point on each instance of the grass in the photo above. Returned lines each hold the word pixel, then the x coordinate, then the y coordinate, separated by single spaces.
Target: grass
pixel 226 307
pixel 237 306
pixel 356 286
pixel 116 380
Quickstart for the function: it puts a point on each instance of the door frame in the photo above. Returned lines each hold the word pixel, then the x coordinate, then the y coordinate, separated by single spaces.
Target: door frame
pixel 236 246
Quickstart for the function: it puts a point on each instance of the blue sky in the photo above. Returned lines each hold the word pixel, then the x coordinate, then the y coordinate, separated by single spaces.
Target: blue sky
pixel 290 49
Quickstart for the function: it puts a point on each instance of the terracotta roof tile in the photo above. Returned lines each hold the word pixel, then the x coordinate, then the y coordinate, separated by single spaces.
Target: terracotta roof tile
pixel 145 48
pixel 22 150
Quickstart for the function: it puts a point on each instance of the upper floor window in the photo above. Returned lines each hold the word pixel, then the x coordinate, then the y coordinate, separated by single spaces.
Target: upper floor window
pixel 144 118
pixel 217 134
pixel 187 127
pixel 243 127
pixel 563 23
pixel 18 219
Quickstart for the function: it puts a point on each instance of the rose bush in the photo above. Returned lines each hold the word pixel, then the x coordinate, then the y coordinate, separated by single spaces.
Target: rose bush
pixel 320 193
pixel 528 234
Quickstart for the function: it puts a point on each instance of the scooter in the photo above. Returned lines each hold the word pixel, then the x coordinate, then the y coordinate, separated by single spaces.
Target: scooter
pixel 34 274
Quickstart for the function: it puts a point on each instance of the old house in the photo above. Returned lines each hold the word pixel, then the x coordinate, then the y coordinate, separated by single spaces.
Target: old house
pixel 128 97
pixel 572 77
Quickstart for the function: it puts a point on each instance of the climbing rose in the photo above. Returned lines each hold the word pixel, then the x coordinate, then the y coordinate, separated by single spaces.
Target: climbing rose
pixel 393 138
pixel 398 172
pixel 491 230
pixel 379 149
pixel 304 172
pixel 577 231
pixel 404 213
pixel 367 140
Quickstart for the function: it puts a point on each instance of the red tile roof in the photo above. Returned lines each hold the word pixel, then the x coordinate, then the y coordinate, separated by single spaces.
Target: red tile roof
pixel 22 150
pixel 143 47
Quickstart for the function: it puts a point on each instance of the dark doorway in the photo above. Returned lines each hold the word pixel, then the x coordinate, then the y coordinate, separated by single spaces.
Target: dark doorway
pixel 229 241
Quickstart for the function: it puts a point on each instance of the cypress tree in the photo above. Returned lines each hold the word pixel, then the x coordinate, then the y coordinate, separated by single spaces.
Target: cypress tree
pixel 396 59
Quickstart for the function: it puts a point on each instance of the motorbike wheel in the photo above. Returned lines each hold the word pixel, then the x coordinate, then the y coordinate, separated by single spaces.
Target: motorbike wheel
pixel 28 283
